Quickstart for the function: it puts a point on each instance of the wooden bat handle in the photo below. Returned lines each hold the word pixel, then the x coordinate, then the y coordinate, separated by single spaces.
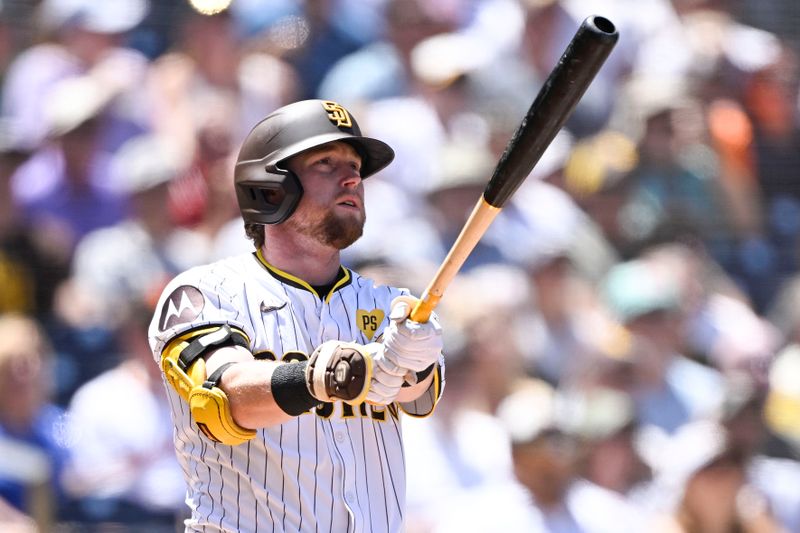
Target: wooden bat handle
pixel 479 220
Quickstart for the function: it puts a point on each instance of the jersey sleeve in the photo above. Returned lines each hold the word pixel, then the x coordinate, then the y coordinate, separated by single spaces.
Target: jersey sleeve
pixel 199 297
pixel 426 403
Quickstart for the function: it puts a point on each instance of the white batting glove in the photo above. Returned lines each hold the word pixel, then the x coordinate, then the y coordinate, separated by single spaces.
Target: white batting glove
pixel 408 344
pixel 387 377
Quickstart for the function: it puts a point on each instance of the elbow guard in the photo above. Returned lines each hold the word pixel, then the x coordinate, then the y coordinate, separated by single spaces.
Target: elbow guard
pixel 185 369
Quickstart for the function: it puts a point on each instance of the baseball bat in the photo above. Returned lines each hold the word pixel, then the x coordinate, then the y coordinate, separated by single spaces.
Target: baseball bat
pixel 564 87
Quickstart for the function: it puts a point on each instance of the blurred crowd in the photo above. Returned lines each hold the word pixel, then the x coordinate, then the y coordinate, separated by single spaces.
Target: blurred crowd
pixel 623 346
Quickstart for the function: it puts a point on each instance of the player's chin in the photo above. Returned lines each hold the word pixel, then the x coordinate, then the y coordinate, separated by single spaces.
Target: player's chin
pixel 343 240
pixel 342 231
pixel 350 215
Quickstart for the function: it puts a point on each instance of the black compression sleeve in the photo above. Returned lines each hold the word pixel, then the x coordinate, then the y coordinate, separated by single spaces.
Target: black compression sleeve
pixel 289 388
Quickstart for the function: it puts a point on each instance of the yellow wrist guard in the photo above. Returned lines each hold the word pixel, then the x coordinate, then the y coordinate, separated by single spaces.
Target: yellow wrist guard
pixel 185 369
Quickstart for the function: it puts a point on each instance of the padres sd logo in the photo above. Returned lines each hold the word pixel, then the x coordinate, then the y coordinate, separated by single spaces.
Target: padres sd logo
pixel 337 114
pixel 368 321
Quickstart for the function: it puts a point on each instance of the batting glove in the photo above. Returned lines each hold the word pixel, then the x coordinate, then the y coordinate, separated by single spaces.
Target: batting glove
pixel 387 377
pixel 408 344
pixel 339 370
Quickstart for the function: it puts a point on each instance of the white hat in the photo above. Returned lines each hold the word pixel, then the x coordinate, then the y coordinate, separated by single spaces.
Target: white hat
pixel 442 58
pixel 528 411
pixel 145 162
pixel 73 101
pixel 462 164
pixel 99 16
pixel 596 413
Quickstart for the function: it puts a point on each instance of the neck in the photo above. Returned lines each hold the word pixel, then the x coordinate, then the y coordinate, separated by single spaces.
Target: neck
pixel 301 256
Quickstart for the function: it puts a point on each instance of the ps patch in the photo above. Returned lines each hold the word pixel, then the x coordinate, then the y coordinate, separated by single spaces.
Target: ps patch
pixel 368 321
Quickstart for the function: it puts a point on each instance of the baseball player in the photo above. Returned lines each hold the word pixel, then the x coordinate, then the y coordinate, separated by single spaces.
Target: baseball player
pixel 287 373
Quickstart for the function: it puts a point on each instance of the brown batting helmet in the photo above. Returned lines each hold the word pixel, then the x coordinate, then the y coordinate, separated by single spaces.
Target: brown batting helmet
pixel 266 190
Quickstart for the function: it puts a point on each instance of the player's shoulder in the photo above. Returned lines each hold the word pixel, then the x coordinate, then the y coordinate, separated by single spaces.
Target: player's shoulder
pixel 375 286
pixel 211 293
pixel 221 283
pixel 215 273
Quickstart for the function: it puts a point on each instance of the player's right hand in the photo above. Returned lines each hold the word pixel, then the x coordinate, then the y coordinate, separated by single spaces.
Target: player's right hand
pixel 387 377
pixel 412 345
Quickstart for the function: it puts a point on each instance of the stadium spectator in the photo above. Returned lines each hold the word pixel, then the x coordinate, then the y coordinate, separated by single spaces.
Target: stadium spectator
pixel 32 436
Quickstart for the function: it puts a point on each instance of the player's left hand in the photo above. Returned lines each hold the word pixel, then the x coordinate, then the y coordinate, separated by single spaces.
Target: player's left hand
pixel 411 345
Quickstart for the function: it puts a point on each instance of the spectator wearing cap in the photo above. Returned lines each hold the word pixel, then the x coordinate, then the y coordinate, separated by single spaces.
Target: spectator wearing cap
pixel 676 398
pixel 546 447
pixel 464 170
pixel 459 460
pixel 64 189
pixel 383 68
pixel 119 471
pixel 80 38
pixel 605 419
pixel 95 300
pixel 729 335
pixel 562 305
pixel 740 487
pixel 68 98
pixel 671 196
pixel 564 254
pixel 32 442
pixel 648 297
pixel 148 248
pixel 205 93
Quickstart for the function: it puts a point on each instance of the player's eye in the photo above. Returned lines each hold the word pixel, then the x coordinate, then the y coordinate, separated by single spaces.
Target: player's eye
pixel 324 161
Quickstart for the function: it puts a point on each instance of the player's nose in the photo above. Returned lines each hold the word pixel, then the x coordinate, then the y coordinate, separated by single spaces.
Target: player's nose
pixel 351 177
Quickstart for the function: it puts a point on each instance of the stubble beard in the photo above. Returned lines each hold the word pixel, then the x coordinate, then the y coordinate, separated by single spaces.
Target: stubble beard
pixel 330 229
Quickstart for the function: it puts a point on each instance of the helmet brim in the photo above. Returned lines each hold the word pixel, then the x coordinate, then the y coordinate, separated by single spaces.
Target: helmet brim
pixel 375 154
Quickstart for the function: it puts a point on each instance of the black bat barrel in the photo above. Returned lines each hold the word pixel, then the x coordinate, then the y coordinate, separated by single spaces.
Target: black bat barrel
pixel 556 100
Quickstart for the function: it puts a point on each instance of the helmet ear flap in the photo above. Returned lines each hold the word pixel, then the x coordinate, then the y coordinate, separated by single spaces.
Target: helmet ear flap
pixel 267 195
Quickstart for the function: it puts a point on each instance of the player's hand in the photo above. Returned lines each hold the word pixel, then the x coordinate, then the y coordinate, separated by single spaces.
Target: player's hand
pixel 387 377
pixel 408 344
pixel 339 370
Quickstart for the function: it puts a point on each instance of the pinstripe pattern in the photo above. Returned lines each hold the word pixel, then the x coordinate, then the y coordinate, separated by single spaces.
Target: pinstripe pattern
pixel 340 468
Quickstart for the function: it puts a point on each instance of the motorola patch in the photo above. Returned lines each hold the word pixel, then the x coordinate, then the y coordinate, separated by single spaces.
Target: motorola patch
pixel 183 305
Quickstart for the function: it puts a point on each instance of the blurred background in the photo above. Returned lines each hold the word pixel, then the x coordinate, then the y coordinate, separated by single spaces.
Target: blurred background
pixel 623 346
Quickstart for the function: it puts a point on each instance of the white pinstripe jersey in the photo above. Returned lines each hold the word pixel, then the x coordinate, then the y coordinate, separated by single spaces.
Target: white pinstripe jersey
pixel 337 468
